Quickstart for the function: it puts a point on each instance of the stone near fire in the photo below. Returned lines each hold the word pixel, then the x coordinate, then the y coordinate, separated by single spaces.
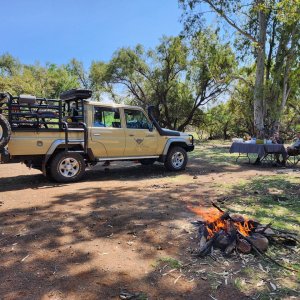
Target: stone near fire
pixel 259 241
pixel 237 218
pixel 269 231
pixel 263 229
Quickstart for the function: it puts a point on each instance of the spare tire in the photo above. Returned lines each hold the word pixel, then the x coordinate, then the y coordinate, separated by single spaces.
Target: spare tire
pixel 5 132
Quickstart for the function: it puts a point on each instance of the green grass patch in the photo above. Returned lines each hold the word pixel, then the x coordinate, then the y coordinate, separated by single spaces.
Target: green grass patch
pixel 217 155
pixel 171 262
pixel 269 199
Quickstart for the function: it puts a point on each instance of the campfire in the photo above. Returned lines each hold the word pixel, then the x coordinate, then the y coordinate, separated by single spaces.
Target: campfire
pixel 234 232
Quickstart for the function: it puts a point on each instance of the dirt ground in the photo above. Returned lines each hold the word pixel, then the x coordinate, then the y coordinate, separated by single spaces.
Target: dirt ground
pixel 114 232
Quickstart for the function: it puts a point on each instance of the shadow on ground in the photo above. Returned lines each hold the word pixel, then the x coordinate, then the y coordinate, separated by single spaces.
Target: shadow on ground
pixel 93 243
pixel 128 171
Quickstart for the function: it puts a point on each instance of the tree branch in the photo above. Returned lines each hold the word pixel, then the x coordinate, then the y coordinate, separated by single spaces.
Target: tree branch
pixel 230 22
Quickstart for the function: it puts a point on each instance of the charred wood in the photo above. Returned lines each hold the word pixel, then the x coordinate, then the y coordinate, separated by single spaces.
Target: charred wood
pixel 243 246
pixel 206 249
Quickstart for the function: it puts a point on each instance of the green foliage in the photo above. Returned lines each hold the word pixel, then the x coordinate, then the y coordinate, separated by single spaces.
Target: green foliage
pixel 217 121
pixel 178 76
pixel 288 12
pixel 48 81
pixel 8 65
pixel 278 90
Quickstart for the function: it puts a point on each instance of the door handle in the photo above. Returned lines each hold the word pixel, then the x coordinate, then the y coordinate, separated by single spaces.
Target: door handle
pixel 131 134
pixel 149 135
pixel 96 134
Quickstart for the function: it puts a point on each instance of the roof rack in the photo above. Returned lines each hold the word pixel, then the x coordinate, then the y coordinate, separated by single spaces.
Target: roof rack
pixel 31 113
pixel 76 94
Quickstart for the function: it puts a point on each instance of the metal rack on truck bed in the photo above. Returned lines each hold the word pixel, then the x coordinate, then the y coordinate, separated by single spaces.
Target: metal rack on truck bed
pixel 29 113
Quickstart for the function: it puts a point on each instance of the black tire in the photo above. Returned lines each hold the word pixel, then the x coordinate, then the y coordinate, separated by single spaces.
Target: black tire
pixel 147 161
pixel 67 167
pixel 176 159
pixel 5 132
pixel 49 175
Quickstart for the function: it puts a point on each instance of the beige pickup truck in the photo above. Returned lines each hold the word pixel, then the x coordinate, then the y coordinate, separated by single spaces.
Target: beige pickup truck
pixel 61 137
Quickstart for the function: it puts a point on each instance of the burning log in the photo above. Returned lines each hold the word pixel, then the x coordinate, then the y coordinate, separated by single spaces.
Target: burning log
pixel 232 237
pixel 206 248
pixel 220 229
pixel 217 207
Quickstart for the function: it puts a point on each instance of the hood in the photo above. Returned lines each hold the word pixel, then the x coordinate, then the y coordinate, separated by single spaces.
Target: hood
pixel 169 132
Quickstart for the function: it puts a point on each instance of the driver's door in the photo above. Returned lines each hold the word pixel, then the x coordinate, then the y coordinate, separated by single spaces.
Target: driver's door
pixel 140 140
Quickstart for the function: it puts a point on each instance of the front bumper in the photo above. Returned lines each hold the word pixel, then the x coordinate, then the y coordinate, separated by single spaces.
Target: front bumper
pixel 190 148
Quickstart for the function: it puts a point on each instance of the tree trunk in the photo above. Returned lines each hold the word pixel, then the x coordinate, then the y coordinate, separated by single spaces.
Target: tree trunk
pixel 187 120
pixel 284 61
pixel 225 128
pixel 271 48
pixel 260 72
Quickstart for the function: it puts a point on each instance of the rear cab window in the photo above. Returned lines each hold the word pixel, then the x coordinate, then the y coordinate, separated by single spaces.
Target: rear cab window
pixel 106 117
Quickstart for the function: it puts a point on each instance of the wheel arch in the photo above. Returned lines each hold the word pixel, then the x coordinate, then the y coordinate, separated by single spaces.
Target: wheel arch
pixel 58 146
pixel 173 143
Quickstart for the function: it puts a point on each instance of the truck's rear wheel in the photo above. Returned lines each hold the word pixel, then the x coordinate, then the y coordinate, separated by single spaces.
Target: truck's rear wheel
pixel 5 132
pixel 176 159
pixel 67 167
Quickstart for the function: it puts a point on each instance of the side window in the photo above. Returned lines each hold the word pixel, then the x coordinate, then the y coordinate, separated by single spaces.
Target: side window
pixel 136 119
pixel 107 117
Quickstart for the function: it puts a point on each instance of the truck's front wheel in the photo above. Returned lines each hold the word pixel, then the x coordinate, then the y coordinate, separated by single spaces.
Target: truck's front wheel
pixel 176 159
pixel 67 167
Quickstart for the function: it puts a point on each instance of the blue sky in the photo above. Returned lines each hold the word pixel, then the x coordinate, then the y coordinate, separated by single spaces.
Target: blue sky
pixel 57 30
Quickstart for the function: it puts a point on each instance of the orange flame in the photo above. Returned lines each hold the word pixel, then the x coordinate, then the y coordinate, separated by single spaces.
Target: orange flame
pixel 207 214
pixel 214 223
pixel 244 228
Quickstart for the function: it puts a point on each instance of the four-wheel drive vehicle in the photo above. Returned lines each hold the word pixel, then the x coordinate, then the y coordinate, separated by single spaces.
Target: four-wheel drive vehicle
pixel 61 137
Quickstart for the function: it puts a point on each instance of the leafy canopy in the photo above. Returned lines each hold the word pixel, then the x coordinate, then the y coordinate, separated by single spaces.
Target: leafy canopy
pixel 179 76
